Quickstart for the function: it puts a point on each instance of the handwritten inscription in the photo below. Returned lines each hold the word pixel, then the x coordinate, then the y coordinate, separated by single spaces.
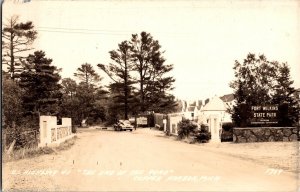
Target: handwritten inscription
pixel 272 171
pixel 138 175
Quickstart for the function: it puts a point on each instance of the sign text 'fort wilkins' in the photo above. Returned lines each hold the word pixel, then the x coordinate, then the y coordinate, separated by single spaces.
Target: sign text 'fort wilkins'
pixel 264 114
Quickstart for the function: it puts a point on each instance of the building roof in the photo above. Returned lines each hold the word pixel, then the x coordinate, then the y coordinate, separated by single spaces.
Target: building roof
pixel 199 107
pixel 215 104
pixel 227 98
pixel 191 108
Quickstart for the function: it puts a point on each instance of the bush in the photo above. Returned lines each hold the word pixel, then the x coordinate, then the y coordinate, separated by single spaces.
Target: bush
pixel 24 137
pixel 74 129
pixel 227 132
pixel 227 126
pixel 203 135
pixel 186 128
pixel 226 136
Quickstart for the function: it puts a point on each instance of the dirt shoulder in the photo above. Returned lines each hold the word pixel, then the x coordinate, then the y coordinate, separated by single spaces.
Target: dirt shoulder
pixel 278 155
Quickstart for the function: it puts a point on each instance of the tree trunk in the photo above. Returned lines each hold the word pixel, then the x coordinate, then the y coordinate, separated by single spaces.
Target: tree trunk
pixel 12 58
pixel 142 96
pixel 126 89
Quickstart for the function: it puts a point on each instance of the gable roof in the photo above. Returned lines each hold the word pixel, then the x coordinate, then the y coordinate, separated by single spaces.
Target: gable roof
pixel 215 104
pixel 199 107
pixel 191 108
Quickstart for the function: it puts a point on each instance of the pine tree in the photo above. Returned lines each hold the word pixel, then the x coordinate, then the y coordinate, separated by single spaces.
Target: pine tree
pixel 69 87
pixel 150 65
pixel 16 38
pixel 86 73
pixel 11 103
pixel 70 105
pixel 89 95
pixel 119 71
pixel 157 92
pixel 241 111
pixel 284 97
pixel 40 81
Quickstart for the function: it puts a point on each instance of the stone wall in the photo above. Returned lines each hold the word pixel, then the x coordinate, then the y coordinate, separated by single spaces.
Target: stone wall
pixel 264 134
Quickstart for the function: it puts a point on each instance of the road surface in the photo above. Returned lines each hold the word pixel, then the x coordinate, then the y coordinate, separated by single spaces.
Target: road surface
pixel 142 160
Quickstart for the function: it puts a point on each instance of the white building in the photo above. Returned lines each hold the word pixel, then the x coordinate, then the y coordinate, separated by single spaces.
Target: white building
pixel 214 114
pixel 191 110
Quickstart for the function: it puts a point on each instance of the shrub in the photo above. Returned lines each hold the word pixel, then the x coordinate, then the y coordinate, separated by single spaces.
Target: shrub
pixel 185 128
pixel 227 132
pixel 227 126
pixel 74 129
pixel 226 136
pixel 23 137
pixel 203 135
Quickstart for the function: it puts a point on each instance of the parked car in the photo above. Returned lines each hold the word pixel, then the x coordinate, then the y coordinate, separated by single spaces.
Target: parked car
pixel 123 125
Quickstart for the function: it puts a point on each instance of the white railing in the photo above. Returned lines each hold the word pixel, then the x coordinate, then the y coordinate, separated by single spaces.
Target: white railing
pixel 53 134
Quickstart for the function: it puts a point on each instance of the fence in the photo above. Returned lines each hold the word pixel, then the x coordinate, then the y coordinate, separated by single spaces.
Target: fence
pixel 158 119
pixel 28 138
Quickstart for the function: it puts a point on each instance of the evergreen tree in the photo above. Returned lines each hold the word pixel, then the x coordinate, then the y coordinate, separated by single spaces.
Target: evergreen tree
pixel 86 73
pixel 16 39
pixel 40 83
pixel 261 82
pixel 70 104
pixel 11 102
pixel 157 91
pixel 284 97
pixel 85 95
pixel 89 95
pixel 150 65
pixel 69 87
pixel 119 72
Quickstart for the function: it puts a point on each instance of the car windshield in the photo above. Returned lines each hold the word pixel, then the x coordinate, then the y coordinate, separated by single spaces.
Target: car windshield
pixel 126 122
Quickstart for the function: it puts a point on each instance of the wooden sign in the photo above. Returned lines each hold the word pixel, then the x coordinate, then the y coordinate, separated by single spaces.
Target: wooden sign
pixel 142 121
pixel 264 114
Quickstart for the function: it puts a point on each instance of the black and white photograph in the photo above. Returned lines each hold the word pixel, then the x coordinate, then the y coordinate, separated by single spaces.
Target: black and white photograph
pixel 150 95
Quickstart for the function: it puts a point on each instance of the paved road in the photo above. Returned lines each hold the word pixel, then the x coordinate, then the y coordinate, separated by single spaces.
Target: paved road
pixel 143 160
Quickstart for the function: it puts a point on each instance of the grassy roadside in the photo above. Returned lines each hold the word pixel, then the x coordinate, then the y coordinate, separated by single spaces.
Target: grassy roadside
pixel 34 152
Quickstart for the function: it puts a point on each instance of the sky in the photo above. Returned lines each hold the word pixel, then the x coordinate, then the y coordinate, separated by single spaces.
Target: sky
pixel 202 39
